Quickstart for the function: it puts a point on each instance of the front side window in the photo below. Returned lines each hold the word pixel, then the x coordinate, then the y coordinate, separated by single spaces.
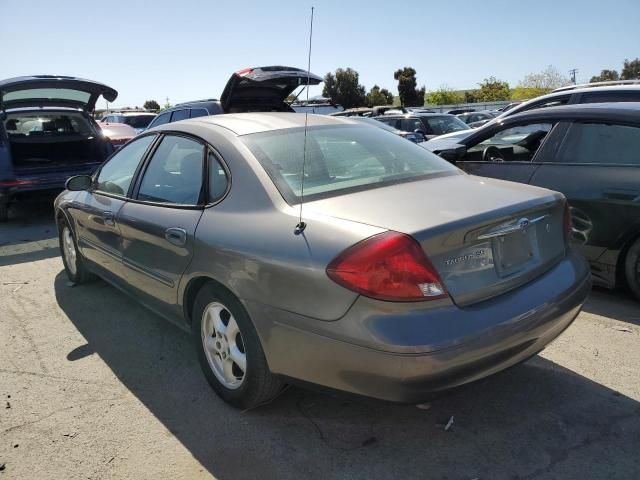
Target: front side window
pixel 340 159
pixel 161 119
pixel 198 112
pixel 519 143
pixel 601 144
pixel 116 175
pixel 174 174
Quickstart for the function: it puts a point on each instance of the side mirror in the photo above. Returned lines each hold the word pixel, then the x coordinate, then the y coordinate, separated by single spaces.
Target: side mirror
pixel 78 183
pixel 421 132
pixel 452 155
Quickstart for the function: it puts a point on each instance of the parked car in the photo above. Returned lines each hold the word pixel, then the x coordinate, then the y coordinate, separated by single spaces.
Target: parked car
pixel 509 106
pixel 412 136
pixel 458 111
pixel 117 133
pixel 590 153
pixel 47 133
pixel 477 119
pixel 405 276
pixel 260 89
pixel 430 125
pixel 135 119
pixel 370 111
pixel 619 91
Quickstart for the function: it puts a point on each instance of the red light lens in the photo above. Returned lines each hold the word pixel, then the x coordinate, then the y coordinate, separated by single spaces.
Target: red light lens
pixel 388 266
pixel 243 72
pixel 15 183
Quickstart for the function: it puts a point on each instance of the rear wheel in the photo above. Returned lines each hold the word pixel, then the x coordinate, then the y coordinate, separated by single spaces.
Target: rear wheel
pixel 229 350
pixel 632 268
pixel 71 257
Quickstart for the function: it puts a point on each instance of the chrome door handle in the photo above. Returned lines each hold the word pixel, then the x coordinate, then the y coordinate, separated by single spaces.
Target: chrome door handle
pixel 108 218
pixel 175 235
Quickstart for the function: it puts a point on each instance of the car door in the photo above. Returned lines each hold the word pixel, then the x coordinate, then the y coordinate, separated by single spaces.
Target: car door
pixel 95 211
pixel 597 167
pixel 516 163
pixel 158 225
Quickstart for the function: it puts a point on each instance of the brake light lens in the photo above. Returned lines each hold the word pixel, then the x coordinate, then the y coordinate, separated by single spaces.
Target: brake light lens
pixel 568 228
pixel 244 71
pixel 388 266
pixel 15 183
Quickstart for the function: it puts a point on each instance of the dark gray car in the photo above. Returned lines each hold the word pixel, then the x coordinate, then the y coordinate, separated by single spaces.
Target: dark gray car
pixel 407 277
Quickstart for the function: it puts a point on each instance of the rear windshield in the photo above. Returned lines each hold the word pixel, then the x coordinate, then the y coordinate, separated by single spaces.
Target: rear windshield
pixel 48 93
pixel 341 159
pixel 445 124
pixel 138 121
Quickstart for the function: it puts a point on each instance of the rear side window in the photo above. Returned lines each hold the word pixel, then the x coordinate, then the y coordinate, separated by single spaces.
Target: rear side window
pixel 115 176
pixel 611 96
pixel 180 115
pixel 218 180
pixel 198 112
pixel 161 119
pixel 549 102
pixel 174 174
pixel 601 144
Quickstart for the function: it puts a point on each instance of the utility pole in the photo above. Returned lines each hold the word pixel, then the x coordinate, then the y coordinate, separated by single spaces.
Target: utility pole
pixel 573 72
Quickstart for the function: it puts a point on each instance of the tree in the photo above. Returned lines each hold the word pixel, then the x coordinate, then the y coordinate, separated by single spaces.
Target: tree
pixel 543 82
pixel 444 96
pixel 471 96
pixel 379 96
pixel 410 96
pixel 492 89
pixel 343 88
pixel 151 105
pixel 631 70
pixel 605 76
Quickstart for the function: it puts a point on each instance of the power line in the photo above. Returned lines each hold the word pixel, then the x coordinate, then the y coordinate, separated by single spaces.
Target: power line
pixel 573 72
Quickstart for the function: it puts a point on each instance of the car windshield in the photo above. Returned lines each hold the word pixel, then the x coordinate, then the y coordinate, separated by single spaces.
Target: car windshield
pixel 46 124
pixel 341 159
pixel 138 121
pixel 445 124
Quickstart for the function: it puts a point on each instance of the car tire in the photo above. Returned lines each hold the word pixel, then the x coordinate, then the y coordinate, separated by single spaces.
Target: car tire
pixel 4 211
pixel 74 264
pixel 221 348
pixel 632 268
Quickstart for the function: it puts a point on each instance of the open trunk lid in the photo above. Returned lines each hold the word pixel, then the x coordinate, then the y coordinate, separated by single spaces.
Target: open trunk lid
pixel 254 89
pixel 53 91
pixel 483 236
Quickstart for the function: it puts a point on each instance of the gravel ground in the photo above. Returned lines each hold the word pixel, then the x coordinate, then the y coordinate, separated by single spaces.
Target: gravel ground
pixel 94 386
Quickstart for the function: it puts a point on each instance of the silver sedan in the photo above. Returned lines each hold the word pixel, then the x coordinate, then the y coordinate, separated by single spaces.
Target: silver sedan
pixel 376 268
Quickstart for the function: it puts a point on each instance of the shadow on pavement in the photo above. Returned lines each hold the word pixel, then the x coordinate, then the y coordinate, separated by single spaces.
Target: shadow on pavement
pixel 30 233
pixel 617 304
pixel 538 420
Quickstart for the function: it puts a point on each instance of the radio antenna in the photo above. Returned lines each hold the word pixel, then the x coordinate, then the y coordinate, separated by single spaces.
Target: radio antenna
pixel 302 225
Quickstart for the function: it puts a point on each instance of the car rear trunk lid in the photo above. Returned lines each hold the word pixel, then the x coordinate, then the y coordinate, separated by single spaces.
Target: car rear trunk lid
pixel 483 236
pixel 263 88
pixel 53 91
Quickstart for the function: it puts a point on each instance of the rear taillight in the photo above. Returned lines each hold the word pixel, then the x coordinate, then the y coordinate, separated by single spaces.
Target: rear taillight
pixel 388 266
pixel 15 183
pixel 244 71
pixel 566 222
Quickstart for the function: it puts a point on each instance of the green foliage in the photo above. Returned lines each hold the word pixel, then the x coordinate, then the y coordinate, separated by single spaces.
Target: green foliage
pixel 471 96
pixel 379 96
pixel 631 70
pixel 492 89
pixel 526 93
pixel 444 96
pixel 410 96
pixel 151 105
pixel 605 76
pixel 343 88
pixel 545 81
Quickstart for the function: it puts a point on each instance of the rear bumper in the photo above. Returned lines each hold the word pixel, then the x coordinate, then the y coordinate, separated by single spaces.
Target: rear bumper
pixel 37 182
pixel 403 356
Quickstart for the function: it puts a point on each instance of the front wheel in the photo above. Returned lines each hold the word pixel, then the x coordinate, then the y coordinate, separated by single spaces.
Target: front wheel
pixel 71 257
pixel 229 350
pixel 632 268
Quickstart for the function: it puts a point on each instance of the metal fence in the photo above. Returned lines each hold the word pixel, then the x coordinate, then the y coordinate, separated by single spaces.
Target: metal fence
pixel 475 106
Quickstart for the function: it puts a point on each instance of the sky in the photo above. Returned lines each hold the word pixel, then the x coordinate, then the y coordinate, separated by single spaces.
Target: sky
pixel 185 50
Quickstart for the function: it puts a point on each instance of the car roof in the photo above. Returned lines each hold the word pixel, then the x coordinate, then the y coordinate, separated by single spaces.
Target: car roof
pixel 248 123
pixel 620 111
pixel 415 114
